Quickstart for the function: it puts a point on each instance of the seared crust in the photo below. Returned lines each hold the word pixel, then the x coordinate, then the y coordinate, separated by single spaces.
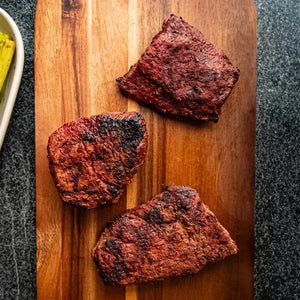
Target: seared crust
pixel 173 234
pixel 92 159
pixel 181 73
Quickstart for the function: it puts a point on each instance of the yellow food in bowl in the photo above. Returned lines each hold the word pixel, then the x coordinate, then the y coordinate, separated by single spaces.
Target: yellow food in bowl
pixel 7 50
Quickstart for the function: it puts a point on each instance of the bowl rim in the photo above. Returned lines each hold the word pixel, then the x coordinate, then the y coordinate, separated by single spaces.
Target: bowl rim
pixel 16 80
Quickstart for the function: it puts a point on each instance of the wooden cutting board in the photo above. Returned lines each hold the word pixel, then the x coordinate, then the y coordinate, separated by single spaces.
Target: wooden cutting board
pixel 81 47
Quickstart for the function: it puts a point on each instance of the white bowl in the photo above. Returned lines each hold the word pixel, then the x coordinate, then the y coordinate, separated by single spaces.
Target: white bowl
pixel 7 25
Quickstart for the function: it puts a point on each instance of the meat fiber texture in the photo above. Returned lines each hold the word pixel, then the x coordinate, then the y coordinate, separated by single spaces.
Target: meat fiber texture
pixel 181 73
pixel 93 159
pixel 173 234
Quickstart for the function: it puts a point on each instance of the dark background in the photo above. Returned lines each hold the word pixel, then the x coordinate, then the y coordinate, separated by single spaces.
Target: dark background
pixel 277 207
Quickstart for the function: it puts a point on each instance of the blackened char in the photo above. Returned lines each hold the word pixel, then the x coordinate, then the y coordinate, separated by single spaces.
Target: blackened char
pixel 181 73
pixel 92 159
pixel 173 234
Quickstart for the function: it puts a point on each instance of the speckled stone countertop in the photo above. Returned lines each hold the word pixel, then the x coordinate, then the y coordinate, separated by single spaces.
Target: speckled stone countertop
pixel 277 208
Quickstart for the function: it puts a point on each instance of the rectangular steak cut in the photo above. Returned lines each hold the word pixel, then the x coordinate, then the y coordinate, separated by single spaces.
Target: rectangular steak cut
pixel 92 159
pixel 173 234
pixel 181 73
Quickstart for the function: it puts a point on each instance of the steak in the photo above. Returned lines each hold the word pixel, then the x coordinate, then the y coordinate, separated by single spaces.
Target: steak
pixel 173 234
pixel 93 159
pixel 181 73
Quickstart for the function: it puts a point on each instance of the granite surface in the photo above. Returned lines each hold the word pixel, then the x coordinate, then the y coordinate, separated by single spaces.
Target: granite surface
pixel 277 208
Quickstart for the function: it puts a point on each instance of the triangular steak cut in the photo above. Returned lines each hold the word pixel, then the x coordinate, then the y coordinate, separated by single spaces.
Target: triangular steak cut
pixel 181 73
pixel 93 159
pixel 173 234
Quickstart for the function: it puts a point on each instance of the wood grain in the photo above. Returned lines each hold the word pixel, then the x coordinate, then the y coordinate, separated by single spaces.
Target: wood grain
pixel 81 47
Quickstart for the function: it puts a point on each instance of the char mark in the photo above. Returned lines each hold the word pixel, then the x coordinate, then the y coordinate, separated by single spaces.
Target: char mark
pixel 155 215
pixel 88 137
pixel 114 191
pixel 133 132
pixel 113 246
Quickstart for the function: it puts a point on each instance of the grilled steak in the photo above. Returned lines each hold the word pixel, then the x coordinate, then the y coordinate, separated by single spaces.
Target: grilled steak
pixel 181 73
pixel 92 159
pixel 173 234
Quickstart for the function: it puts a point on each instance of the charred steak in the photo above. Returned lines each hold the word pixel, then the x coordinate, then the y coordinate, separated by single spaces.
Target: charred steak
pixel 181 73
pixel 92 159
pixel 173 234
